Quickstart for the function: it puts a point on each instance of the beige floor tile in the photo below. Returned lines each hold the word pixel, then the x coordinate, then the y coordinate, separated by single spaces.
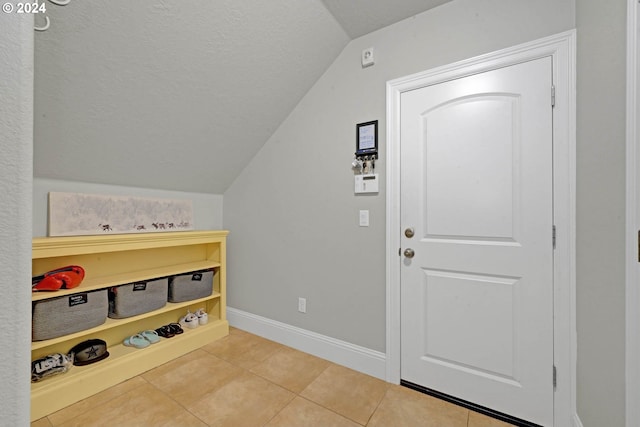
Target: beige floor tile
pixel 246 401
pixel 347 392
pixel 402 407
pixel 95 401
pixel 42 422
pixel 185 419
pixel 291 369
pixel 479 420
pixel 243 349
pixel 188 378
pixel 245 380
pixel 142 407
pixel 301 412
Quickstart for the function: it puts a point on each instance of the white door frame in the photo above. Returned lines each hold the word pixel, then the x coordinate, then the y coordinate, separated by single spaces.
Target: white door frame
pixel 632 308
pixel 562 48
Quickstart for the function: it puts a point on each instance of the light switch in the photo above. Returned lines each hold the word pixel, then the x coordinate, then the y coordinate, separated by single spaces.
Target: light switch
pixel 364 218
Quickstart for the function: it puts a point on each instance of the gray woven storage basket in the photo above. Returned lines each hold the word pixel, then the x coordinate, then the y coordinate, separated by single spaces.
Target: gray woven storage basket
pixel 65 315
pixel 190 286
pixel 137 298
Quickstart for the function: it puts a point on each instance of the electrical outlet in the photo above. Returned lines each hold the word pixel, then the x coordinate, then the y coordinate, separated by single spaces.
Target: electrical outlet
pixel 302 305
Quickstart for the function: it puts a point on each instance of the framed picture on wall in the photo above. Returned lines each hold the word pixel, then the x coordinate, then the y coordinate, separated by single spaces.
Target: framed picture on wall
pixel 367 139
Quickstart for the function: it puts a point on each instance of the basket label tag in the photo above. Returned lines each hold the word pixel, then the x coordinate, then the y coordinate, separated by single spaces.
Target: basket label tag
pixel 139 286
pixel 78 299
pixel 196 277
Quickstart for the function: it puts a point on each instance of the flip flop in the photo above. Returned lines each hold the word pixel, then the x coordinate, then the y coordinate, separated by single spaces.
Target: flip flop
pixel 151 336
pixel 137 341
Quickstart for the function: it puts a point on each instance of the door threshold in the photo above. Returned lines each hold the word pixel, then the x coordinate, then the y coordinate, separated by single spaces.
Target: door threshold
pixel 469 405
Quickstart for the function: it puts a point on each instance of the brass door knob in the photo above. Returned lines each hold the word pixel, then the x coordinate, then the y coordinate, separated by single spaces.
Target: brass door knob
pixel 409 253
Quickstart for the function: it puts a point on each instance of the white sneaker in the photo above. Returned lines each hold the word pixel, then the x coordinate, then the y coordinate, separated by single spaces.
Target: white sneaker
pixel 203 317
pixel 189 320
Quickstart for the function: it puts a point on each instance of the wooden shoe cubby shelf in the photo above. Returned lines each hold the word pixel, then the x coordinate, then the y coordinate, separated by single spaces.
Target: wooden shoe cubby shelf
pixel 111 260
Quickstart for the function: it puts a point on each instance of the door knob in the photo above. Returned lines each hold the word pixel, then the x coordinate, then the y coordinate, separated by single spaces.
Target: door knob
pixel 409 253
pixel 409 232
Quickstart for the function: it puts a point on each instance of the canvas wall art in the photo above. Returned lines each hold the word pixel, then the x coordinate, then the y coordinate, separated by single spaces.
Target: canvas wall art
pixel 72 214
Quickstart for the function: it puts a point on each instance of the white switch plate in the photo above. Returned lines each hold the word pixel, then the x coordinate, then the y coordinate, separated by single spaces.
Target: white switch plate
pixel 364 218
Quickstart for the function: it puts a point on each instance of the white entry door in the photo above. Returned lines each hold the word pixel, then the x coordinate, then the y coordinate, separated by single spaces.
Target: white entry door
pixel 476 190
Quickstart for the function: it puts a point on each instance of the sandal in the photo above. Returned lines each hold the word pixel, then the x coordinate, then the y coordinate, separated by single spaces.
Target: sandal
pixel 137 341
pixel 164 332
pixel 175 328
pixel 151 336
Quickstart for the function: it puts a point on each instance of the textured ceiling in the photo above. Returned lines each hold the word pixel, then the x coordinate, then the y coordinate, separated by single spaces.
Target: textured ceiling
pixel 360 17
pixel 180 95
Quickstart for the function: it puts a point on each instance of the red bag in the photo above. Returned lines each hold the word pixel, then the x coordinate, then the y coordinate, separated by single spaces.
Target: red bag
pixel 62 278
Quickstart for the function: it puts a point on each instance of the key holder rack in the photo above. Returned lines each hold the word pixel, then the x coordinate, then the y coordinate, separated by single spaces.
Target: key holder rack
pixel 364 163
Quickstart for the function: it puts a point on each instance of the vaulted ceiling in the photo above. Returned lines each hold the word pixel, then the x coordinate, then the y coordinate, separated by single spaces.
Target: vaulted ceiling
pixel 180 95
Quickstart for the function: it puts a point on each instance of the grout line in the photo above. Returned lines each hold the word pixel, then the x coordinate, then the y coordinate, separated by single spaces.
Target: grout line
pixel 281 409
pixel 52 424
pixel 378 405
pixel 331 410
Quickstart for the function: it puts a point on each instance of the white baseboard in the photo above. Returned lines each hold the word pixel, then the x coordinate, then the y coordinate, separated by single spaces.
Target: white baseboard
pixel 352 356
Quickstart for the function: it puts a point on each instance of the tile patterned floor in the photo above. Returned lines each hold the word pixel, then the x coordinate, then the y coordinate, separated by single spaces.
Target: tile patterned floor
pixel 244 380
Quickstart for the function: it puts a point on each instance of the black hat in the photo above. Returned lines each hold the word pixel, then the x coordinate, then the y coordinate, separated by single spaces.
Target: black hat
pixel 89 351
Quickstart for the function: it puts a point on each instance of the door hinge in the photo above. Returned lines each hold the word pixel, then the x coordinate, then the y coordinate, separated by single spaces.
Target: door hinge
pixel 555 377
pixel 553 96
pixel 553 236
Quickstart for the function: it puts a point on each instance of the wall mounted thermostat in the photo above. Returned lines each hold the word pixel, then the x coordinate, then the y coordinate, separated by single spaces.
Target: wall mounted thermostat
pixel 366 183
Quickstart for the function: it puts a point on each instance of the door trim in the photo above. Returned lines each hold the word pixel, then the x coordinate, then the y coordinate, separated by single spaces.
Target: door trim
pixel 632 309
pixel 561 48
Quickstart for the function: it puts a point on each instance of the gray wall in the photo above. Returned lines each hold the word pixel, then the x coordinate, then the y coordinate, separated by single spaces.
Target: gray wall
pixel 294 224
pixel 292 213
pixel 16 136
pixel 601 27
pixel 207 208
